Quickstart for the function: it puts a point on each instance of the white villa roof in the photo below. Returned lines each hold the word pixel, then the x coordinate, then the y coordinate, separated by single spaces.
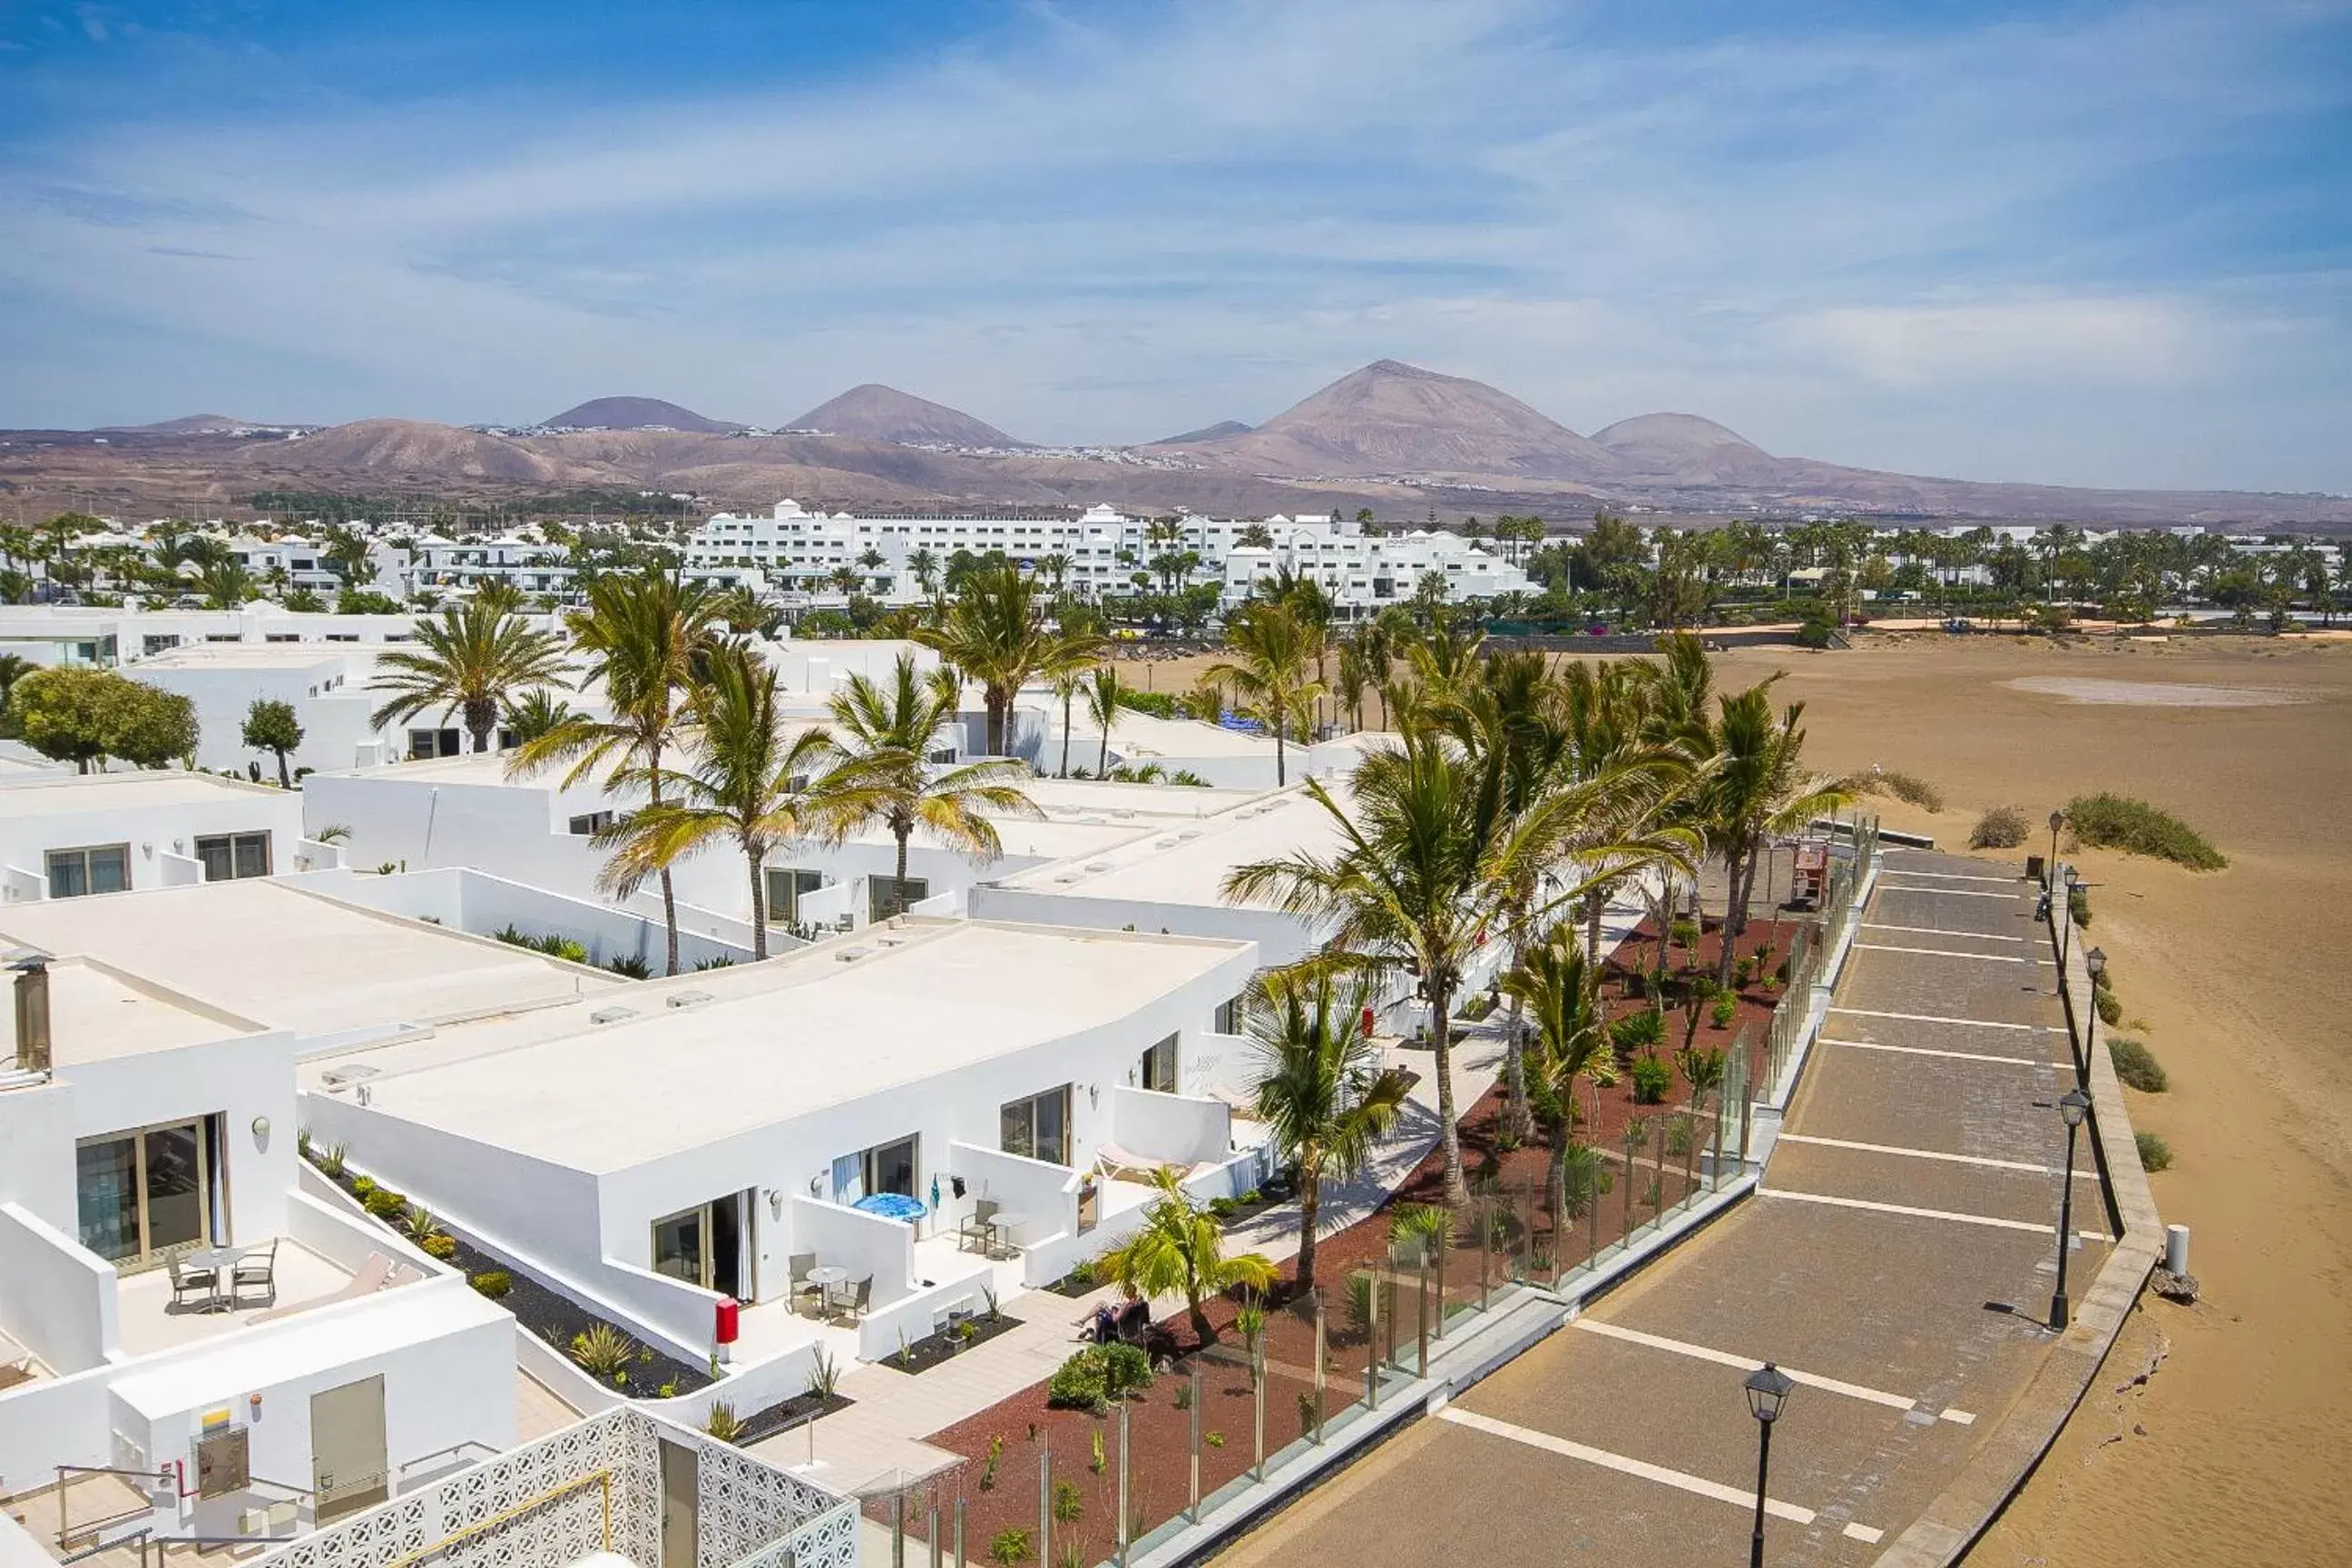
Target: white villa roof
pixel 64 794
pixel 291 959
pixel 97 1013
pixel 947 994
pixel 254 656
pixel 1189 864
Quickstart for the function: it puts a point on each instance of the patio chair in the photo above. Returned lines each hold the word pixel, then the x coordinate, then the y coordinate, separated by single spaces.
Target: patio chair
pixel 855 1297
pixel 187 1278
pixel 259 1267
pixel 1136 1327
pixel 801 1263
pixel 980 1224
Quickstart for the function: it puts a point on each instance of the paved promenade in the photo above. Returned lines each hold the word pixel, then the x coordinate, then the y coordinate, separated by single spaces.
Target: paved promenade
pixel 1913 1198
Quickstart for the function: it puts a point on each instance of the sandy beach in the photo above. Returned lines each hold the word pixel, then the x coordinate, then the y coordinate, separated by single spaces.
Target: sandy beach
pixel 2227 1451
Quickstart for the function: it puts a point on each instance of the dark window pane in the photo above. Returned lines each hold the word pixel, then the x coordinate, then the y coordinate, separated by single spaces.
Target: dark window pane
pixel 175 1188
pixel 1054 1127
pixel 678 1247
pixel 110 869
pixel 107 1190
pixel 218 864
pixel 253 855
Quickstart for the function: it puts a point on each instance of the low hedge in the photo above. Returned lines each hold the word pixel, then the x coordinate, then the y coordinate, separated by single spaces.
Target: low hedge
pixel 2119 822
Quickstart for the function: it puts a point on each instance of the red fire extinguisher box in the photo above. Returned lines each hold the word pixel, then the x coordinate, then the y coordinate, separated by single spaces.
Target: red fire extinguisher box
pixel 729 1318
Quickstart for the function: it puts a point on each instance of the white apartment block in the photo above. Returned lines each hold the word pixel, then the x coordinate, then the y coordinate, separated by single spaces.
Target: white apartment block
pixel 1102 549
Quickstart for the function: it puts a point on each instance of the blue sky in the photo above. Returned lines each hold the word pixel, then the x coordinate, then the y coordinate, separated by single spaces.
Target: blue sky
pixel 2103 244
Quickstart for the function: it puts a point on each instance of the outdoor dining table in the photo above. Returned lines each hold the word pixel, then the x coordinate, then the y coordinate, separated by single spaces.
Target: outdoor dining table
pixel 824 1276
pixel 221 1261
pixel 1000 1226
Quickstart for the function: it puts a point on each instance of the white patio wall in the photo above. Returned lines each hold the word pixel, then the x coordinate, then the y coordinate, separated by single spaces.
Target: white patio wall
pixel 56 1297
pixel 1173 1128
pixel 467 899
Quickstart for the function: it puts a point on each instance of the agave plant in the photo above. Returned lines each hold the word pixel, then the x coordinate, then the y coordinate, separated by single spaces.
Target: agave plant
pixel 722 1422
pixel 604 1352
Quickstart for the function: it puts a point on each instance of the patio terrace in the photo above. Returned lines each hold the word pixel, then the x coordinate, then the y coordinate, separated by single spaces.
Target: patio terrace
pixel 149 1320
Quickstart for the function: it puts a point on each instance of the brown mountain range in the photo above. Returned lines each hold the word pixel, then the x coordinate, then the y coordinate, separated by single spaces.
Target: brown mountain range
pixel 1397 439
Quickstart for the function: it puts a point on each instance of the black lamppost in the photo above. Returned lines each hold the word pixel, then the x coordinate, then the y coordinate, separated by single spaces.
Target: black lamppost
pixel 2074 1105
pixel 2057 821
pixel 1768 1390
pixel 2066 924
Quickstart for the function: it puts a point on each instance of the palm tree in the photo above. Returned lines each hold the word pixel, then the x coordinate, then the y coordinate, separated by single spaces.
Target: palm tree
pixel 1103 692
pixel 1321 1089
pixel 535 715
pixel 1273 678
pixel 1067 684
pixel 1562 992
pixel 225 582
pixel 995 632
pixel 1758 789
pixel 1404 889
pixel 472 658
pixel 885 733
pixel 1181 1249
pixel 645 635
pixel 748 781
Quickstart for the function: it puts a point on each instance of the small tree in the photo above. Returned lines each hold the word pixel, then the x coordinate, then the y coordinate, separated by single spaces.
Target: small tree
pixel 82 716
pixel 1181 1250
pixel 270 726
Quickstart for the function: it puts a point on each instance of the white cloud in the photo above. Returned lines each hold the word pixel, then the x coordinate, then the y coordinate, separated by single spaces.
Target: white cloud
pixel 2080 340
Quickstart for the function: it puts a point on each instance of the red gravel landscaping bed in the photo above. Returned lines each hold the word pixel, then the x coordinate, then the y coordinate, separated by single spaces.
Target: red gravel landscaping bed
pixel 1510 1208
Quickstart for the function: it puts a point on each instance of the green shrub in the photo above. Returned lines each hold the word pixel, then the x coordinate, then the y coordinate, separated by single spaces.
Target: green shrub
pixel 1125 1370
pixel 1743 974
pixel 385 1203
pixel 1814 634
pixel 722 1422
pixel 1097 1375
pixel 1158 704
pixel 1417 1232
pixel 2136 1066
pixel 492 1282
pixel 2135 827
pixel 1652 1079
pixel 1069 1505
pixel 1637 1029
pixel 1010 1547
pixel 2155 1153
pixel 362 1186
pixel 629 966
pixel 2111 1012
pixel 2003 827
pixel 1726 1008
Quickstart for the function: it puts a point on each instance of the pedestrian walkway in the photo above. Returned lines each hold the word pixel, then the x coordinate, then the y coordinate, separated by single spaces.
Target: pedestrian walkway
pixel 1899 1260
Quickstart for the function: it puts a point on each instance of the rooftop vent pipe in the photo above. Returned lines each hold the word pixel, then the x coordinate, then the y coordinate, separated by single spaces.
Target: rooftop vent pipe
pixel 32 1010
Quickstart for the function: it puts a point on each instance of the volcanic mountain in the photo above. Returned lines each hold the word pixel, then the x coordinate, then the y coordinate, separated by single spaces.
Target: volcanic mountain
pixel 417 452
pixel 190 424
pixel 1396 419
pixel 878 413
pixel 1217 432
pixel 637 414
pixel 1683 448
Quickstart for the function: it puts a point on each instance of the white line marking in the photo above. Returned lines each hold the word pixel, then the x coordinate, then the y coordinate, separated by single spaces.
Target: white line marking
pixel 1862 1533
pixel 1941 931
pixel 1952 1215
pixel 1952 876
pixel 1943 952
pixel 1944 892
pixel 1932 1018
pixel 1698 1484
pixel 1931 1051
pixel 1745 1364
pixel 1959 1417
pixel 1934 1154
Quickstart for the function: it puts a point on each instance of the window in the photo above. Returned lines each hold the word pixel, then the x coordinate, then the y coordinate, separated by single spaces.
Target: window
pixel 891 1167
pixel 703 1245
pixel 887 896
pixel 428 743
pixel 1228 1020
pixel 145 1194
pixel 593 822
pixel 157 644
pixel 102 868
pixel 281 636
pixel 1159 1066
pixel 228 856
pixel 1038 1127
pixel 786 885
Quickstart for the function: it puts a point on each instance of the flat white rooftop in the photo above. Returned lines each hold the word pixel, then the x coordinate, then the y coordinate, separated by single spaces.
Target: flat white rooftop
pixel 64 794
pixel 254 656
pixel 97 1013
pixel 291 959
pixel 1189 864
pixel 926 997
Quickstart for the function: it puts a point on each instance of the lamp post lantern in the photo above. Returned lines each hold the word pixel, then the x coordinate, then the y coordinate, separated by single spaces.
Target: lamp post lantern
pixel 2072 1106
pixel 1768 1390
pixel 2057 821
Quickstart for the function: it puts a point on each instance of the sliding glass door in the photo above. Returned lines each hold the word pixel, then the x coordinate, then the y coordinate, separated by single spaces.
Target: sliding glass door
pixel 1038 1127
pixel 146 1195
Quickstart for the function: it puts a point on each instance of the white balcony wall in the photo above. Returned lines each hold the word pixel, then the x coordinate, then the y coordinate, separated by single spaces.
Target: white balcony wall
pixel 466 900
pixel 862 1243
pixel 56 1297
pixel 1045 1195
pixel 1173 1128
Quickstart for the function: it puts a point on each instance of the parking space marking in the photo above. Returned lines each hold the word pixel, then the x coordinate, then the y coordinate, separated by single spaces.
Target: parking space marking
pixel 1951 876
pixel 1932 1051
pixel 1884 889
pixel 1932 1018
pixel 1942 952
pixel 1699 1486
pixel 1862 1533
pixel 1935 1155
pixel 1745 1363
pixel 1941 931
pixel 1955 1215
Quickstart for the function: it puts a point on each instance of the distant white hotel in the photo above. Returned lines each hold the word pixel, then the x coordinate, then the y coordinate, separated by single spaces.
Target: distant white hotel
pixel 1102 549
